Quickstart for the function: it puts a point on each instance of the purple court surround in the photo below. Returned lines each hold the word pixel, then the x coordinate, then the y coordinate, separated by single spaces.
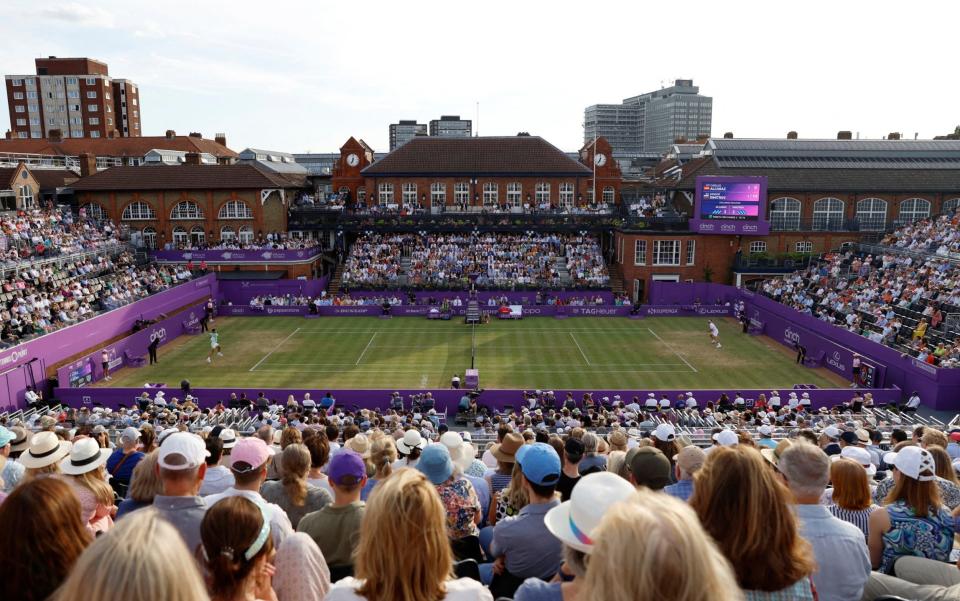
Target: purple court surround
pixel 237 256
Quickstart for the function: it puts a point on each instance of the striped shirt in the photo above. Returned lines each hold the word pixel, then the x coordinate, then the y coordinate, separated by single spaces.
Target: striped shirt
pixel 499 481
pixel 858 517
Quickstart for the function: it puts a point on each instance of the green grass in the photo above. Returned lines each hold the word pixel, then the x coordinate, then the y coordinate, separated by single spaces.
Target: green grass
pixel 359 352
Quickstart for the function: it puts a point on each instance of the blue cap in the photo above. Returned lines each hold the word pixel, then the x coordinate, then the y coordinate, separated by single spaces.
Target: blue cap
pixel 435 463
pixel 539 463
pixel 6 437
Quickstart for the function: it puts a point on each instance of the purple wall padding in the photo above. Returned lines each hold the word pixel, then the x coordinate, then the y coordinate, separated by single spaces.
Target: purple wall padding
pixel 423 310
pixel 239 292
pixel 238 256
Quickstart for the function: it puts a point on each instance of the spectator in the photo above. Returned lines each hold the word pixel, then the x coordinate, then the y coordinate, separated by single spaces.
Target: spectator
pixel 648 467
pixel 944 464
pixel 44 455
pixel 383 454
pixel 747 512
pixel 301 571
pixel 843 564
pixel 504 453
pixel 181 464
pixel 145 485
pixel 592 461
pixel 84 472
pixel 409 448
pixel 572 455
pixel 217 478
pixel 142 559
pixel 237 549
pixel 687 464
pixel 42 535
pixel 651 547
pixel 294 494
pixel 12 471
pixel 403 552
pixel 914 521
pixel 949 492
pixel 851 500
pixel 336 527
pixel 457 449
pixel 459 500
pixel 121 463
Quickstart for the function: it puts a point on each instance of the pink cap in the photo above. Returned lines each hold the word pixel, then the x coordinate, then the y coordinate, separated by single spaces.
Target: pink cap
pixel 251 451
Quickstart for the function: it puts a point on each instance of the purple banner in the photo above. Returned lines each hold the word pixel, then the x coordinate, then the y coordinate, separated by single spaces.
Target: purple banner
pixel 423 310
pixel 730 205
pixel 240 292
pixel 525 297
pixel 238 256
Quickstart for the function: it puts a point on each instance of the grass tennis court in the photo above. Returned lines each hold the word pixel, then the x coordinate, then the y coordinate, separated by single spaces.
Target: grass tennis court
pixel 360 352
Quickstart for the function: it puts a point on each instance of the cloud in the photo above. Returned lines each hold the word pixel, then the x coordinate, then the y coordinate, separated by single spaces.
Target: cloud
pixel 78 14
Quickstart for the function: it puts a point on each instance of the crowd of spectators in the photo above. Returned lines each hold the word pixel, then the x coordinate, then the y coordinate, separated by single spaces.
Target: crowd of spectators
pixel 27 236
pixel 933 235
pixel 892 299
pixel 315 501
pixel 398 299
pixel 272 241
pixel 484 260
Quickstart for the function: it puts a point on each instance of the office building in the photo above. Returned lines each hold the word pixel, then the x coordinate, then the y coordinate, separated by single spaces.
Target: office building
pixel 651 122
pixel 451 126
pixel 74 96
pixel 404 131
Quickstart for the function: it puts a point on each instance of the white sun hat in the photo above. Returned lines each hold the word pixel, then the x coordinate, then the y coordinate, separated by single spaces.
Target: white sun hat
pixel 860 455
pixel 85 456
pixel 45 449
pixel 574 521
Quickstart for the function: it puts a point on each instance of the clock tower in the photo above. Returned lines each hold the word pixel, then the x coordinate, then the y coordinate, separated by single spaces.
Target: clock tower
pixel 597 155
pixel 346 180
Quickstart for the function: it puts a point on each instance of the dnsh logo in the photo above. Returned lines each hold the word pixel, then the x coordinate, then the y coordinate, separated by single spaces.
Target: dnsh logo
pixel 158 334
pixel 791 336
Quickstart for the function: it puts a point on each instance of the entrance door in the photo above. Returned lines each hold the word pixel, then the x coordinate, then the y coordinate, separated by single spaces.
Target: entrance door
pixel 638 289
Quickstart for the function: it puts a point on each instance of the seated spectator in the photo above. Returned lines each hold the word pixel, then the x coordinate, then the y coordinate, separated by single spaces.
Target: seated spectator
pixel 383 454
pixel 592 461
pixel 336 527
pixel 747 512
pixel 651 547
pixel 403 552
pixel 459 500
pixel 914 521
pixel 237 549
pixel 504 454
pixel 572 455
pixel 851 500
pixel 12 471
pixel 301 571
pixel 142 559
pixel 843 564
pixel 293 493
pixel 688 463
pixel 647 466
pixel 42 535
pixel 84 471
pixel 121 463
pixel 217 478
pixel 145 485
pixel 462 454
pixel 409 448
pixel 43 456
pixel 181 463
pixel 319 448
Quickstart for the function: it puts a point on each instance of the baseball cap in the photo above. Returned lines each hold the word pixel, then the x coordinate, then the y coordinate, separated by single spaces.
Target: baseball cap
pixel 573 448
pixel 849 437
pixel 182 451
pixel 574 521
pixel 435 463
pixel 913 461
pixel 649 466
pixel 665 432
pixel 765 430
pixel 347 468
pixel 726 438
pixel 130 434
pixel 539 463
pixel 860 455
pixel 252 452
pixel 832 432
pixel 690 459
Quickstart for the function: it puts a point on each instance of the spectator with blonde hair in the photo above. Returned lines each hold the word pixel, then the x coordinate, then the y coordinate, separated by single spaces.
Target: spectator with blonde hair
pixel 404 554
pixel 652 547
pixel 383 454
pixel 293 493
pixel 145 484
pixel 84 471
pixel 142 559
pixel 43 456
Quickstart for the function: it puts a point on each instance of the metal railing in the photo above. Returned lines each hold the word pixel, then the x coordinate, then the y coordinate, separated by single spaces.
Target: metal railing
pixel 112 249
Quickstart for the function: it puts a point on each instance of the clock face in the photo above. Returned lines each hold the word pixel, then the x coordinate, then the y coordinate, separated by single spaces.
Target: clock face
pixel 353 160
pixel 600 159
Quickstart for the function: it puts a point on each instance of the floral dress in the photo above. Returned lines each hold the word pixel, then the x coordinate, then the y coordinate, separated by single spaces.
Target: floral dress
pixel 462 506
pixel 930 537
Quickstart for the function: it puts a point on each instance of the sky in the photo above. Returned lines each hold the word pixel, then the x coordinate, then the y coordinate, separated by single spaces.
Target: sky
pixel 305 76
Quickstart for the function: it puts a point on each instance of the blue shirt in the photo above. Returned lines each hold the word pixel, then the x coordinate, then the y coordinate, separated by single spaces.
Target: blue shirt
pixel 843 562
pixel 12 474
pixel 125 473
pixel 682 490
pixel 483 493
pixel 531 550
pixel 534 589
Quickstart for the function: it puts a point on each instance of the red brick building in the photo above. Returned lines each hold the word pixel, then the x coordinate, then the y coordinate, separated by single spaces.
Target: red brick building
pixel 347 181
pixel 598 155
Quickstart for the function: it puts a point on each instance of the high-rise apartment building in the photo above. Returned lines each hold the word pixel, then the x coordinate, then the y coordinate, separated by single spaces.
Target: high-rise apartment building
pixel 404 131
pixel 651 122
pixel 451 126
pixel 74 96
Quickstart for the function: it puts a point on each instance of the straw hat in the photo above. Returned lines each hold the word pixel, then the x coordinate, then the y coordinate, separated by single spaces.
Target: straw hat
pixel 507 450
pixel 85 456
pixel 45 449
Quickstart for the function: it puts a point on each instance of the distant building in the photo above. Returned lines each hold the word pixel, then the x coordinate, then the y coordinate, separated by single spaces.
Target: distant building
pixel 404 131
pixel 451 126
pixel 651 122
pixel 74 96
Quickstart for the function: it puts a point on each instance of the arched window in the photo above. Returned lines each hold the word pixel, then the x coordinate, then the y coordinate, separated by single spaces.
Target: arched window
pixel 950 206
pixel 149 237
pixel 438 194
pixel 491 194
pixel 227 234
pixel 827 214
pixel 180 237
pixel 912 209
pixel 515 194
pixel 186 209
pixel 543 193
pixel 94 211
pixel 872 214
pixel 566 194
pixel 235 209
pixel 197 237
pixel 609 195
pixel 246 235
pixel 138 211
pixel 785 214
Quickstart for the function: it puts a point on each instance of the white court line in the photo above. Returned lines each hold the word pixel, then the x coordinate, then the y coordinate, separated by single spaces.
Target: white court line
pixel 679 356
pixel 282 342
pixel 582 354
pixel 505 365
pixel 542 371
pixel 360 358
pixel 497 332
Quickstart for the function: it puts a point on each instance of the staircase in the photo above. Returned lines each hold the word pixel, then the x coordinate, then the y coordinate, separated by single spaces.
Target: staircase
pixel 561 266
pixel 334 287
pixel 473 312
pixel 405 262
pixel 616 280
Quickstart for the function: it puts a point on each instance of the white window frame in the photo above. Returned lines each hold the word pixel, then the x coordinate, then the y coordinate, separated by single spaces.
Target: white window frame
pixel 491 194
pixel 227 234
pixel 461 194
pixel 180 237
pixel 640 252
pixel 515 195
pixel 785 215
pixel 26 197
pixel 91 94
pixel 95 210
pixel 186 210
pixel 757 247
pixel 149 237
pixel 609 195
pixel 950 206
pixel 566 195
pixel 235 209
pixel 361 195
pixel 409 193
pixel 691 251
pixel 93 121
pixel 385 194
pixel 803 246
pixel 912 209
pixel 666 253
pixel 872 214
pixel 245 234
pixel 138 211
pixel 198 237
pixel 438 194
pixel 19 108
pixel 542 193
pixel 828 214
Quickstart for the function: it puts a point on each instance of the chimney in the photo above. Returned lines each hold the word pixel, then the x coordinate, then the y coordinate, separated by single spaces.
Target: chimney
pixel 9 135
pixel 196 134
pixel 191 158
pixel 55 135
pixel 728 135
pixel 893 135
pixel 171 134
pixel 791 135
pixel 88 164
pixel 844 135
pixel 220 139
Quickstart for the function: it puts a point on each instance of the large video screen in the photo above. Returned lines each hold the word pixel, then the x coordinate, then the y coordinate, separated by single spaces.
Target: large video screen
pixel 730 205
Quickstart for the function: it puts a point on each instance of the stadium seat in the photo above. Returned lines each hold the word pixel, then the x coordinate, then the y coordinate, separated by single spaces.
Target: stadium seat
pixel 467 568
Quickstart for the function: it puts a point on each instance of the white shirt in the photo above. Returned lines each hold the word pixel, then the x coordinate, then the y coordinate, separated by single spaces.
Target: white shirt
pixel 279 522
pixel 691 402
pixel 463 589
pixel 913 402
pixel 713 330
pixel 774 401
pixel 650 402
